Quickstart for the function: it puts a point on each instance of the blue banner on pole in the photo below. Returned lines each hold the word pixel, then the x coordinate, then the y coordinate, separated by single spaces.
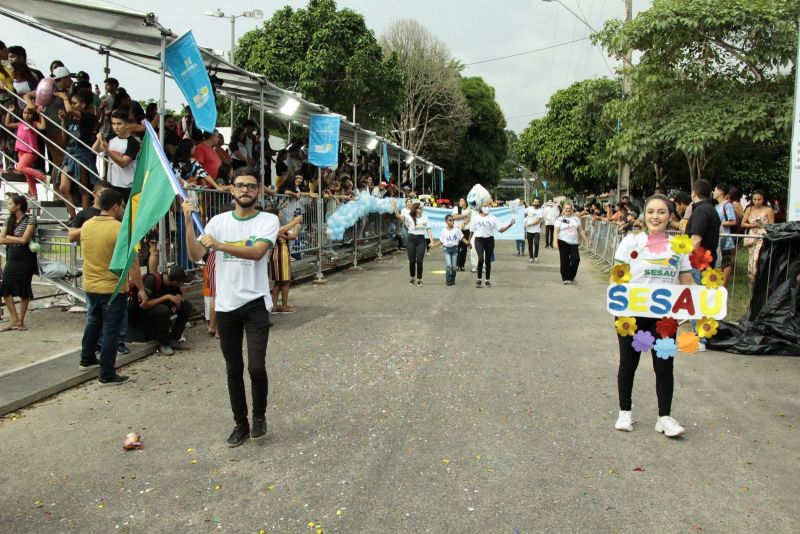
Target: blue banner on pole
pixel 386 173
pixel 185 64
pixel 323 140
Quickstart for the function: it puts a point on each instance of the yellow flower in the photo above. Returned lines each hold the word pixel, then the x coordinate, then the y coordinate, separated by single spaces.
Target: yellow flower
pixel 688 342
pixel 626 326
pixel 713 278
pixel 707 327
pixel 621 273
pixel 681 244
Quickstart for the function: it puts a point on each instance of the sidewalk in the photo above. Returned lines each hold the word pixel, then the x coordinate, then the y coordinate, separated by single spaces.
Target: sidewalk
pixel 418 409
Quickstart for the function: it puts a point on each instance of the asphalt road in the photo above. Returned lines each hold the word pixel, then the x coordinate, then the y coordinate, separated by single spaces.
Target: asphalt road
pixel 404 409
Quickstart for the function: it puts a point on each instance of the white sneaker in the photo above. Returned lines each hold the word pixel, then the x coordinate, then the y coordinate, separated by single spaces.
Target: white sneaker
pixel 474 270
pixel 624 421
pixel 530 260
pixel 669 427
pixel 701 347
pixel 535 260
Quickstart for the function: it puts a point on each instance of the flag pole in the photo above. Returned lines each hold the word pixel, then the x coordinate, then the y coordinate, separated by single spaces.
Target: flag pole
pixel 162 227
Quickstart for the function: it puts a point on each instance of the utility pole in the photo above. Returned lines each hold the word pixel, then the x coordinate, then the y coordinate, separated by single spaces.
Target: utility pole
pixel 624 177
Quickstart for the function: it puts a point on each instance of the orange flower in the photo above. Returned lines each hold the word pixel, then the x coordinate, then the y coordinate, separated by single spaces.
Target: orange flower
pixel 688 342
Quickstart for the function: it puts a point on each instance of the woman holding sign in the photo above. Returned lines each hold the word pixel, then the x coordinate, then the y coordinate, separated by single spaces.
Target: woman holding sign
pixel 650 259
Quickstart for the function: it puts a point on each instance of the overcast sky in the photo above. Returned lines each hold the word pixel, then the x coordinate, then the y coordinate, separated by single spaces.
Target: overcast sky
pixel 472 31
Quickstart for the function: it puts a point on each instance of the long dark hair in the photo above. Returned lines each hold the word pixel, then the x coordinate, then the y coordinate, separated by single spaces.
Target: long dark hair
pixel 183 152
pixel 11 222
pixel 414 208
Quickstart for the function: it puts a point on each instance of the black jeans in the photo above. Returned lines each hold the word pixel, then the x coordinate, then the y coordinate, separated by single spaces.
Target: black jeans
pixel 484 246
pixel 252 318
pixel 570 259
pixel 533 244
pixel 157 318
pixel 629 361
pixel 416 247
pixel 462 251
pixel 549 231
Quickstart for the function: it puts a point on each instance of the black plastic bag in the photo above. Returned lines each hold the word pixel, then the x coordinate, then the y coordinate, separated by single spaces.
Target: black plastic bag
pixel 772 323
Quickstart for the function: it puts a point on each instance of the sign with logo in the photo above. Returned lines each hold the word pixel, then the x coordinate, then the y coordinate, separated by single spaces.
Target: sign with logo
pixel 185 63
pixel 323 141
pixel 387 174
pixel 657 301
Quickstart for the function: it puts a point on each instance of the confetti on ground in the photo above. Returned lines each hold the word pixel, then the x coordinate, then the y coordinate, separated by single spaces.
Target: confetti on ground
pixel 194 461
pixel 190 450
pixel 445 461
pixel 37 504
pixel 217 487
pixel 639 469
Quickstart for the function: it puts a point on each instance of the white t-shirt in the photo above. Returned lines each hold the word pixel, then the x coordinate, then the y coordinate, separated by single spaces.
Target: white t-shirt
pixel 648 267
pixel 459 223
pixel 531 214
pixel 418 228
pixel 568 229
pixel 123 176
pixel 240 281
pixel 451 238
pixel 485 225
pixel 551 213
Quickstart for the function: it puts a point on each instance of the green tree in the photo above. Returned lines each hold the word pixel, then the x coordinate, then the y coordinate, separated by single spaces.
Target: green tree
pixel 569 144
pixel 483 147
pixel 329 56
pixel 712 74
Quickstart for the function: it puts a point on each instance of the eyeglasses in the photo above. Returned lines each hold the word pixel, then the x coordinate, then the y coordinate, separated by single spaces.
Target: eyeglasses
pixel 241 187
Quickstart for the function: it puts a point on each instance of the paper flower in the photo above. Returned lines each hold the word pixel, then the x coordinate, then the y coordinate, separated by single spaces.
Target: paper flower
pixel 707 327
pixel 626 326
pixel 643 341
pixel 688 342
pixel 634 254
pixel 713 278
pixel 682 244
pixel 665 348
pixel 621 273
pixel 667 327
pixel 701 258
pixel 657 243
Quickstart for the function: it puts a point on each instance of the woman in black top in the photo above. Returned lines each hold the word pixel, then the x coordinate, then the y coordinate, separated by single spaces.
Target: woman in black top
pixel 21 263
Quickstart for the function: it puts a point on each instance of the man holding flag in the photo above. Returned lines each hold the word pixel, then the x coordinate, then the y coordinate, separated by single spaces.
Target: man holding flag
pixel 240 241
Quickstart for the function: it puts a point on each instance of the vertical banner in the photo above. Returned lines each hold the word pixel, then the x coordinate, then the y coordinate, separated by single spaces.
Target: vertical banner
pixel 323 141
pixel 185 64
pixel 386 173
pixel 793 205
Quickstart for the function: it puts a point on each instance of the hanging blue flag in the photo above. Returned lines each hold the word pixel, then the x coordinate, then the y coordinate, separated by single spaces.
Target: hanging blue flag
pixel 386 173
pixel 323 141
pixel 185 64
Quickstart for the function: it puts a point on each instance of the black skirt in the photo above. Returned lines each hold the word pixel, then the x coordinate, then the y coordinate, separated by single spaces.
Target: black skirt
pixel 18 273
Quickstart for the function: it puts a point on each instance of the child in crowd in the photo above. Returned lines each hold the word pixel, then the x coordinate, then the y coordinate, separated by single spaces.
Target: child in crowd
pixel 27 144
pixel 449 239
pixel 280 264
pixel 80 122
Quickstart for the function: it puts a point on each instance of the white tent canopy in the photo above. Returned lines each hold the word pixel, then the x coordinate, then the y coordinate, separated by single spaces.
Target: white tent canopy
pixel 136 38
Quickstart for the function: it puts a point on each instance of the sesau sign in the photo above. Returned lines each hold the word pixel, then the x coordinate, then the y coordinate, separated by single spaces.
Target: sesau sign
pixel 676 301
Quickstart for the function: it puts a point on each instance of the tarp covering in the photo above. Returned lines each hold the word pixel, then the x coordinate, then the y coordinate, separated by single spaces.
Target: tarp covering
pixel 135 37
pixel 772 323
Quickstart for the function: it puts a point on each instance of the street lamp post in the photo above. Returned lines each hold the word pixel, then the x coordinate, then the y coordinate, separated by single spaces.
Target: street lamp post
pixel 624 175
pixel 254 14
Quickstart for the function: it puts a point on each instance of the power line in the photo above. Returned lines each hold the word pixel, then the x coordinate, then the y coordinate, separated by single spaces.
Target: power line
pixel 340 80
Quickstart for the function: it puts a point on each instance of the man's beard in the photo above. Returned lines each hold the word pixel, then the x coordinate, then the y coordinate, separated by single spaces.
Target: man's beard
pixel 245 203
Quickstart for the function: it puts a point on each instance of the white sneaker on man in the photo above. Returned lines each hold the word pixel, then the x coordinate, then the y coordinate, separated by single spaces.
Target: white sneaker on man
pixel 669 426
pixel 624 421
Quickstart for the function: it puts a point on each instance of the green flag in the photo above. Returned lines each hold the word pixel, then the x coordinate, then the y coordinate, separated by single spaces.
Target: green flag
pixel 152 193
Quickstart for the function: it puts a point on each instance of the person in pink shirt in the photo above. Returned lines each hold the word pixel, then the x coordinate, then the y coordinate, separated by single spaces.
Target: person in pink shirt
pixel 27 145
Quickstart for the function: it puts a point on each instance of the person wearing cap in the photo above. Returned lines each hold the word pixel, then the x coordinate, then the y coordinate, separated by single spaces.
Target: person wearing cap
pixel 164 298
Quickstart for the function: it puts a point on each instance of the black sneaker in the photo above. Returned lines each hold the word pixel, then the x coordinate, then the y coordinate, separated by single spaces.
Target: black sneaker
pixel 123 349
pixel 259 431
pixel 488 284
pixel 88 366
pixel 478 283
pixel 115 380
pixel 239 434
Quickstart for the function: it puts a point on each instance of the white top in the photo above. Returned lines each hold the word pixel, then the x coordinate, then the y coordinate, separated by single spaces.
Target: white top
pixel 451 238
pixel 485 225
pixel 531 214
pixel 122 176
pixel 459 223
pixel 240 281
pixel 378 192
pixel 568 229
pixel 551 213
pixel 418 228
pixel 648 266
